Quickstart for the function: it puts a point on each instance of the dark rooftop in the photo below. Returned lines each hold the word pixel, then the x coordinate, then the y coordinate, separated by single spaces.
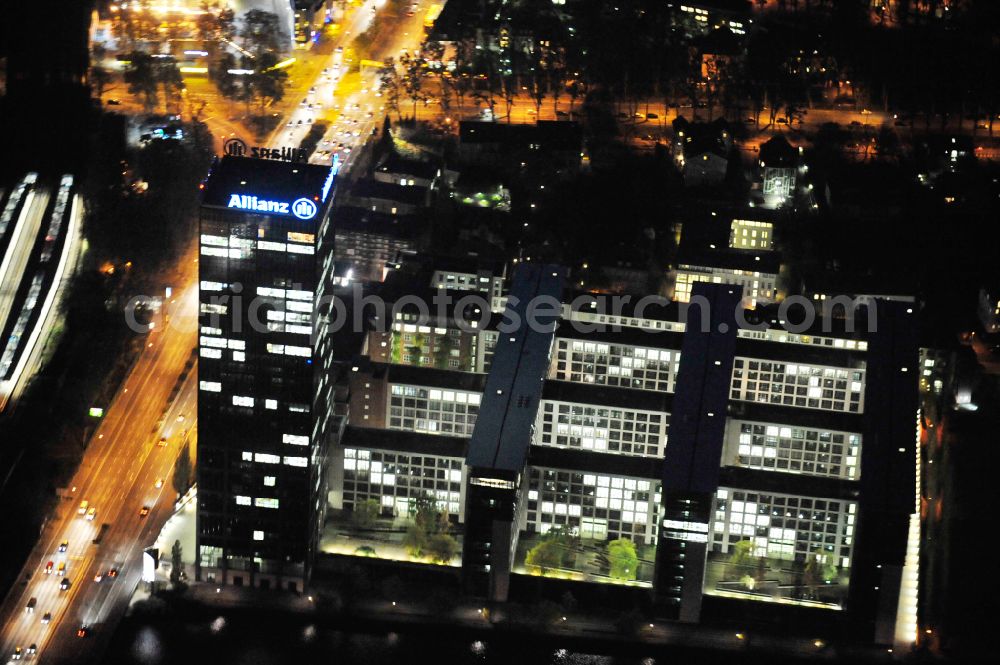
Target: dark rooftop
pixel 700 137
pixel 393 162
pixel 622 398
pixel 403 441
pixel 424 376
pixel 550 134
pixel 357 218
pixel 777 152
pixel 412 194
pixel 503 430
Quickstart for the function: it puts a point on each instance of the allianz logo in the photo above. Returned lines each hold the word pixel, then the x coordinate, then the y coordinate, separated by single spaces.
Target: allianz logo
pixel 302 208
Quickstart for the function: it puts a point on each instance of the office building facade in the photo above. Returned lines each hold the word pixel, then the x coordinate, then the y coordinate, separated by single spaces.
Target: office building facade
pixel 261 409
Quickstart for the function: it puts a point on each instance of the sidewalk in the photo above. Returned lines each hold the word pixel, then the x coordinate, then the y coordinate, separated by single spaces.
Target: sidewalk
pixel 599 633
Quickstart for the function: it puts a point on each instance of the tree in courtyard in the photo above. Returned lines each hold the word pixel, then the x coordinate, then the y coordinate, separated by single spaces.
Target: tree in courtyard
pixel 545 555
pixel 556 550
pixel 267 83
pixel 230 86
pixel 741 556
pixel 486 68
pixel 169 77
pixel 99 79
pixel 207 22
pixel 260 32
pixel 459 81
pixel 415 540
pixel 365 514
pixel 140 76
pixel 176 564
pixel 442 547
pixel 427 534
pixel 818 569
pixel 183 471
pixel 390 85
pixel 413 68
pixel 624 562
pixel 226 23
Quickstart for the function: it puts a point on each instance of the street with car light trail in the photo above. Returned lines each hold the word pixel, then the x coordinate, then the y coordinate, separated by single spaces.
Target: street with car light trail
pixel 118 476
pixel 123 462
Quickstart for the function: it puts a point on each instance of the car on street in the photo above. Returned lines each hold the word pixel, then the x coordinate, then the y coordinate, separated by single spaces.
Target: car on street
pixel 112 573
pixel 47 617
pixel 65 584
pixel 61 570
pixel 82 631
pixel 30 607
pixel 159 483
pixel 114 102
pixel 652 116
pixel 144 511
pixel 63 546
pixel 163 441
pixel 82 510
pixel 32 649
pixel 48 568
pixel 17 654
pixel 91 514
pixel 98 577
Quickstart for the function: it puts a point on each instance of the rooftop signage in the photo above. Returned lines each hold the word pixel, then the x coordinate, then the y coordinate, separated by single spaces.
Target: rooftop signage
pixel 302 208
pixel 237 147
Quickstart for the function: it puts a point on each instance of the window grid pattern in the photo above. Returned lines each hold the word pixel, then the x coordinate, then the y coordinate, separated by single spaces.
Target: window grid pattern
pixel 757 286
pixel 592 505
pixel 590 427
pixel 751 234
pixel 394 479
pixel 814 452
pixel 617 365
pixel 784 526
pixel 445 412
pixel 806 386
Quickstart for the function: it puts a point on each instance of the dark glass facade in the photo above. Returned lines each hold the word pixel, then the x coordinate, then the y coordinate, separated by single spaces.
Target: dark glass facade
pixel 258 460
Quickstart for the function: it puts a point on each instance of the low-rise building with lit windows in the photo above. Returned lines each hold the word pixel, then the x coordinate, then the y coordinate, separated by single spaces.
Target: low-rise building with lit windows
pixel 751 235
pixel 756 274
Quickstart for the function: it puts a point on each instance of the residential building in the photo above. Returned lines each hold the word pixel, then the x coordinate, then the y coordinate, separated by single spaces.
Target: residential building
pixel 700 18
pixel 779 170
pixel 406 171
pixel 701 150
pixel 389 198
pixel 367 241
pixel 757 274
pixel 989 309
